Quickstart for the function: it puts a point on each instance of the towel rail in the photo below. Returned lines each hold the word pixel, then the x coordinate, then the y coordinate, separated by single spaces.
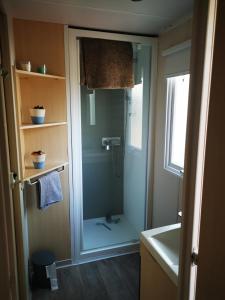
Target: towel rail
pixel 59 170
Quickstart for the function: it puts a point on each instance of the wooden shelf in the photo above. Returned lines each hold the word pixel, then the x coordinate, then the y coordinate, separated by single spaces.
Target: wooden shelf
pixel 25 74
pixel 30 172
pixel 34 126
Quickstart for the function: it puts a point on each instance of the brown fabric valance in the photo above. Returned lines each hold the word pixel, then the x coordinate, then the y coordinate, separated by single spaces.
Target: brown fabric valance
pixel 106 64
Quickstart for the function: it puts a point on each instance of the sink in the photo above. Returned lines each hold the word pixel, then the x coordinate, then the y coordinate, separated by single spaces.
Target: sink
pixel 163 244
pixel 168 243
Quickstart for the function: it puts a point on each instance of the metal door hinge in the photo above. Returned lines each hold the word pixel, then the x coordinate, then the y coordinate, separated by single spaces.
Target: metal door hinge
pixel 4 73
pixel 13 178
pixel 194 258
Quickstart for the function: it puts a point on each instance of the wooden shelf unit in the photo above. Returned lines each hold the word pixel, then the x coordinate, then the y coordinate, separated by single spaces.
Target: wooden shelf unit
pixel 26 74
pixel 43 43
pixel 31 173
pixel 51 137
pixel 35 126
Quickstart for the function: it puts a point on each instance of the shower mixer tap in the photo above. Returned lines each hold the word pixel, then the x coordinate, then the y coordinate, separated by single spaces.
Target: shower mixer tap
pixel 107 147
pixel 109 142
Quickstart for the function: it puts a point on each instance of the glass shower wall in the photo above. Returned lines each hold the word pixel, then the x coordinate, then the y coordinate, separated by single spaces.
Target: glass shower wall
pixel 136 142
pixel 114 159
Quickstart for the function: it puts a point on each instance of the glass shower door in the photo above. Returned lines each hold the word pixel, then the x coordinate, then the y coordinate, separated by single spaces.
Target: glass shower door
pixel 114 159
pixel 102 162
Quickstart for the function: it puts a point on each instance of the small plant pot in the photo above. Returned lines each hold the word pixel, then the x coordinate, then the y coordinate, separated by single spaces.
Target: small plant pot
pixel 37 115
pixel 42 69
pixel 38 159
pixel 26 66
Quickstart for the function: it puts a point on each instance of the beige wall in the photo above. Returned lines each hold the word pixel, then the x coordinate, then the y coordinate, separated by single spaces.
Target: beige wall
pixel 166 185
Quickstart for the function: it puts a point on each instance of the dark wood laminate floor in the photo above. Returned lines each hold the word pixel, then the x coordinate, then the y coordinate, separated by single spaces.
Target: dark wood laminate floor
pixel 109 279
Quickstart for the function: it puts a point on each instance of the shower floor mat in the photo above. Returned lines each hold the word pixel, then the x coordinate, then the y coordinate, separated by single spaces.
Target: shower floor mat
pixel 97 233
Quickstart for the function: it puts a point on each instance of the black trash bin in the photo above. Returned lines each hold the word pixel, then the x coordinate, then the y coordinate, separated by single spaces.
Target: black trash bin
pixel 44 270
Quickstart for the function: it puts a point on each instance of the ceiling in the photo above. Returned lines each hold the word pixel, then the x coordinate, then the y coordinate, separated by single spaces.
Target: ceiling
pixel 145 17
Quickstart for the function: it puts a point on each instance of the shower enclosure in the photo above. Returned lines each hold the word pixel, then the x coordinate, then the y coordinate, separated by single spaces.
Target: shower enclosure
pixel 110 139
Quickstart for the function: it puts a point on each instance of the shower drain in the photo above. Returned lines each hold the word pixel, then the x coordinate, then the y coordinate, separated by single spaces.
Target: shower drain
pixel 103 224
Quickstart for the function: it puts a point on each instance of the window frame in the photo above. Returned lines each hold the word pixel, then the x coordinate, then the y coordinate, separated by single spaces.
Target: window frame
pixel 168 165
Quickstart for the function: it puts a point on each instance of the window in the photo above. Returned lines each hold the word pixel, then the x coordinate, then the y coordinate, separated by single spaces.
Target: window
pixel 176 122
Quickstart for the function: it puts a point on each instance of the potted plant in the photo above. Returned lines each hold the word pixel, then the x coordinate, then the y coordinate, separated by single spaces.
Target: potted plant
pixel 42 69
pixel 25 65
pixel 37 114
pixel 38 158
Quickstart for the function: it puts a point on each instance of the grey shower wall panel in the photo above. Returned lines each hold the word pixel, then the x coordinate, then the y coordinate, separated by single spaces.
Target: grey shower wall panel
pixel 97 187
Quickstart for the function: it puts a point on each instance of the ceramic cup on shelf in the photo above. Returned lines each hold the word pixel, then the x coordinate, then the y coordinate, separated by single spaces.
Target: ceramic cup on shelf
pixel 25 66
pixel 38 158
pixel 37 114
pixel 42 69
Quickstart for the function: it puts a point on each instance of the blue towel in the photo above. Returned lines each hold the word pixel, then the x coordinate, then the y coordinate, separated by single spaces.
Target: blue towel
pixel 50 190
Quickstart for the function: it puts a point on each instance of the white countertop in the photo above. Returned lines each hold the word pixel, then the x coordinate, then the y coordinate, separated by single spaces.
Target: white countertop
pixel 163 244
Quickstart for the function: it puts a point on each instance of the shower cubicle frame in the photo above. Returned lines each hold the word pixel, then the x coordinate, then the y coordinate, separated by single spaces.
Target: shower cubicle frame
pixel 75 143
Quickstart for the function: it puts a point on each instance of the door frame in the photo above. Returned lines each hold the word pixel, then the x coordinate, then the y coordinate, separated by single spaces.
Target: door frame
pixel 201 67
pixel 8 267
pixel 75 152
pixel 18 216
